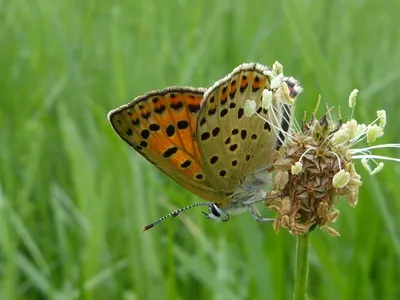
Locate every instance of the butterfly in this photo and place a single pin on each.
(202, 139)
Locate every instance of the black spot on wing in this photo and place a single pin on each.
(145, 133)
(182, 124)
(170, 130)
(186, 164)
(213, 159)
(193, 108)
(205, 136)
(170, 151)
(223, 112)
(177, 105)
(240, 113)
(199, 176)
(154, 127)
(233, 147)
(160, 110)
(146, 115)
(212, 111)
(215, 131)
(129, 131)
(243, 134)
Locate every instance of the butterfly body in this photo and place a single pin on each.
(203, 140)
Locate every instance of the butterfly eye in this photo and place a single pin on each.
(214, 210)
(216, 213)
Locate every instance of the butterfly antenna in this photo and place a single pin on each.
(175, 213)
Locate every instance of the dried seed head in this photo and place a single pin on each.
(317, 170)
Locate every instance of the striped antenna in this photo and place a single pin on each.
(175, 213)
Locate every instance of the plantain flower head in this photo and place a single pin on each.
(315, 165)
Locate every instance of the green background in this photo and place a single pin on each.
(74, 197)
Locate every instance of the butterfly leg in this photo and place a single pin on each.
(256, 215)
(256, 198)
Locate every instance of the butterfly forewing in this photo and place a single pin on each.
(161, 126)
(233, 146)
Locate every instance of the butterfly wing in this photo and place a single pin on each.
(161, 127)
(232, 145)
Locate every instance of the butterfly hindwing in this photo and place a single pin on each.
(232, 145)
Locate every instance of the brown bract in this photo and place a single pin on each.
(308, 199)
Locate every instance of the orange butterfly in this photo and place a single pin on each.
(203, 140)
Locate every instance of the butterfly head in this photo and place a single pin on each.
(216, 213)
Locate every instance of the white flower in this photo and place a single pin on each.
(250, 108)
(366, 166)
(341, 179)
(378, 168)
(276, 82)
(373, 132)
(371, 172)
(353, 98)
(361, 128)
(296, 168)
(340, 137)
(266, 99)
(351, 127)
(284, 90)
(382, 118)
(277, 68)
(282, 95)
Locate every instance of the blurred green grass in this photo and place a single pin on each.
(74, 197)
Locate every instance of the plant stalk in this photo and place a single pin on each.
(302, 262)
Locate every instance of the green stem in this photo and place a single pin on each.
(302, 259)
